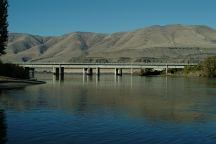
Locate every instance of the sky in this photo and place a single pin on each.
(57, 17)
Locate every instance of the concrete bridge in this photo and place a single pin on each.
(58, 69)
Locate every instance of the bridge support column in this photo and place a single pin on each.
(118, 71)
(166, 69)
(27, 69)
(87, 71)
(97, 71)
(84, 71)
(30, 71)
(56, 72)
(61, 72)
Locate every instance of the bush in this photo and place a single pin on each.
(209, 67)
(173, 70)
(14, 71)
(148, 72)
(189, 69)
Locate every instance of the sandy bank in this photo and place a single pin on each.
(10, 83)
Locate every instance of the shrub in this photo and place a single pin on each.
(209, 67)
(188, 69)
(14, 71)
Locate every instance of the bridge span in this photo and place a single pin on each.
(58, 69)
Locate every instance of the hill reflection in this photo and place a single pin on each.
(156, 98)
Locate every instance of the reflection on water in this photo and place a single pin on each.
(3, 128)
(116, 109)
(152, 98)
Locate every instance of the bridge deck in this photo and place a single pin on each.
(107, 65)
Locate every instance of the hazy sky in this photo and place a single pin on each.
(56, 17)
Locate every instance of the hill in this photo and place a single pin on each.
(155, 43)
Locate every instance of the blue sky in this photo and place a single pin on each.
(57, 17)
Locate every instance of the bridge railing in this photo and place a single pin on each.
(110, 64)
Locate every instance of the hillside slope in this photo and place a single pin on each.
(161, 43)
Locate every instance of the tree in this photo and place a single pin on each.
(209, 67)
(3, 127)
(3, 25)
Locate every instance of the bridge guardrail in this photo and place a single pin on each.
(114, 64)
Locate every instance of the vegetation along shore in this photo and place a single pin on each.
(206, 68)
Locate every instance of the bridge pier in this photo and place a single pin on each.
(61, 73)
(84, 71)
(118, 71)
(87, 71)
(55, 71)
(31, 72)
(58, 72)
(166, 69)
(97, 71)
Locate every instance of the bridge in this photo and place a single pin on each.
(58, 69)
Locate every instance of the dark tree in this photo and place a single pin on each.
(3, 127)
(3, 25)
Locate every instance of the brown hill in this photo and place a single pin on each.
(155, 43)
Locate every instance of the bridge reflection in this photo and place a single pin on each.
(149, 98)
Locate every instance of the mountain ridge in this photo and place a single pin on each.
(177, 42)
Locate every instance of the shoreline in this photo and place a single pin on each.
(11, 83)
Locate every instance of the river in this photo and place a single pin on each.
(109, 109)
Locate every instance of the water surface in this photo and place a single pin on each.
(109, 109)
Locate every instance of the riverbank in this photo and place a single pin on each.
(10, 83)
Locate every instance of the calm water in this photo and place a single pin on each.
(110, 110)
